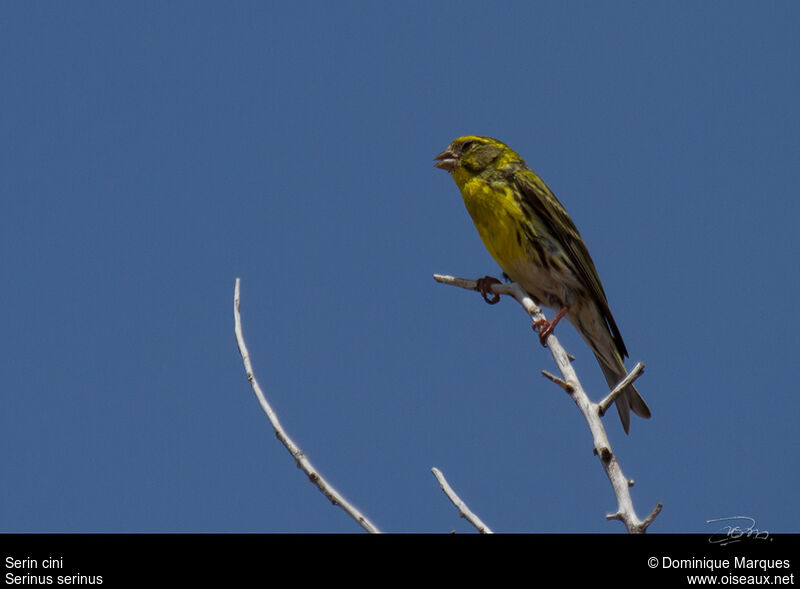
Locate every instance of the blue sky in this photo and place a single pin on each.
(154, 152)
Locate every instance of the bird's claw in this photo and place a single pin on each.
(545, 327)
(484, 286)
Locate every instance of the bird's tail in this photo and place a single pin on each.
(630, 399)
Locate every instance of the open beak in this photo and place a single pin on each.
(446, 160)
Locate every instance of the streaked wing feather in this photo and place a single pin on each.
(543, 202)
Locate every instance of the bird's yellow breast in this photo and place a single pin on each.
(498, 218)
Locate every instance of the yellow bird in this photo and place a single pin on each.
(530, 235)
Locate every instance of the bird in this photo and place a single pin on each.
(530, 235)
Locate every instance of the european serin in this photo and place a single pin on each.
(537, 245)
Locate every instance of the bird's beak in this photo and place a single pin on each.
(446, 160)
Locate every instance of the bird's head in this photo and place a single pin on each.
(471, 155)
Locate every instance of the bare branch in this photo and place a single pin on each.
(637, 371)
(649, 519)
(300, 458)
(463, 510)
(559, 381)
(590, 411)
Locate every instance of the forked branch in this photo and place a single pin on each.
(592, 412)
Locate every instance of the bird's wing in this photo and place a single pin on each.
(543, 202)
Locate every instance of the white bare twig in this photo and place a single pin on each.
(591, 411)
(300, 458)
(463, 510)
(635, 373)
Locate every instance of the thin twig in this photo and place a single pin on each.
(649, 519)
(635, 373)
(300, 458)
(602, 448)
(559, 381)
(463, 510)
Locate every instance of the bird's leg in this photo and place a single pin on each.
(484, 286)
(545, 327)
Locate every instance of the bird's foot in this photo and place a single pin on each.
(545, 327)
(484, 286)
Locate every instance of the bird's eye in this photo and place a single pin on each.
(466, 145)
